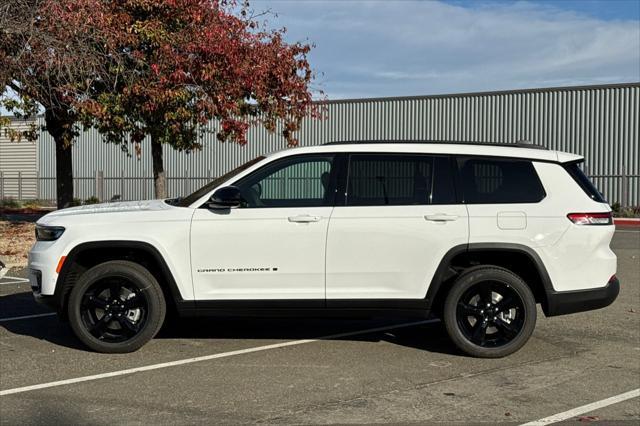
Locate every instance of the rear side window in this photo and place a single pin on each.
(581, 179)
(498, 181)
(389, 179)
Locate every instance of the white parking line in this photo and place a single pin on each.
(48, 314)
(206, 358)
(24, 280)
(16, 278)
(14, 282)
(585, 409)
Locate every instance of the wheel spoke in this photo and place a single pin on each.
(127, 325)
(506, 303)
(485, 294)
(134, 301)
(468, 310)
(114, 290)
(506, 328)
(97, 302)
(479, 332)
(98, 328)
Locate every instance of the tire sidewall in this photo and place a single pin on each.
(146, 284)
(473, 277)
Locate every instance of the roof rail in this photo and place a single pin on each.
(519, 144)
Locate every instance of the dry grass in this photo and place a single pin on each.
(16, 239)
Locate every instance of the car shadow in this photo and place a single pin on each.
(430, 337)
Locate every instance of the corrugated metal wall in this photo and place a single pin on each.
(18, 164)
(599, 122)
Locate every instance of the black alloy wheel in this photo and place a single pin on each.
(116, 307)
(113, 310)
(489, 312)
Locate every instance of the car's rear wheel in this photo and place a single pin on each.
(116, 307)
(489, 312)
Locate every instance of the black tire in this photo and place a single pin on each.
(490, 312)
(126, 325)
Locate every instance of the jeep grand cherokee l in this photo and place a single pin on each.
(476, 234)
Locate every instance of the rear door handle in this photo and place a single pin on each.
(305, 218)
(441, 217)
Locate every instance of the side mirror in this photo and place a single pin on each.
(225, 198)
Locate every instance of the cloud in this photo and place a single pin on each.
(375, 48)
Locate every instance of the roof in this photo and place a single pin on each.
(532, 152)
(522, 144)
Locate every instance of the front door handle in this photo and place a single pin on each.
(305, 218)
(441, 217)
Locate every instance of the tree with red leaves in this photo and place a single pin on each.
(186, 62)
(51, 54)
(157, 68)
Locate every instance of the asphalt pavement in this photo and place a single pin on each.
(221, 371)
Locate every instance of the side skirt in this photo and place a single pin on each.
(412, 308)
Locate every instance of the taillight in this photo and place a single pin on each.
(591, 218)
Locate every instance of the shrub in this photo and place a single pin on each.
(10, 203)
(92, 200)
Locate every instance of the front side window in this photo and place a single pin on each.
(499, 180)
(293, 182)
(389, 179)
(190, 199)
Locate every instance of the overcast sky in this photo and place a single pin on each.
(398, 48)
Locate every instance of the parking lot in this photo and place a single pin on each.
(323, 371)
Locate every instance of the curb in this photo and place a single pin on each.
(626, 221)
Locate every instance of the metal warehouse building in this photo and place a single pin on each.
(599, 122)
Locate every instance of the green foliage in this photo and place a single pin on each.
(633, 211)
(91, 200)
(22, 108)
(10, 203)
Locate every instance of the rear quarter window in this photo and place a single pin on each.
(499, 181)
(583, 181)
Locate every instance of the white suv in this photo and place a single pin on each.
(476, 234)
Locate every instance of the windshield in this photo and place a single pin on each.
(190, 199)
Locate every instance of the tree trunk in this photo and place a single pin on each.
(60, 127)
(159, 177)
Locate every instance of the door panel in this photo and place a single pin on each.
(273, 245)
(259, 253)
(389, 252)
(399, 219)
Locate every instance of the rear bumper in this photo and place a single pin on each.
(569, 302)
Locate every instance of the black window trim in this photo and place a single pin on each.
(342, 162)
(335, 165)
(342, 187)
(583, 185)
(458, 157)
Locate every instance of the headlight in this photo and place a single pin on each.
(48, 233)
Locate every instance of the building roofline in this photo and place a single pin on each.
(633, 84)
(478, 94)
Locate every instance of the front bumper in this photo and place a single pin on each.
(569, 302)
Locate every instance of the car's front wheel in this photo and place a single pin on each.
(116, 307)
(489, 312)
